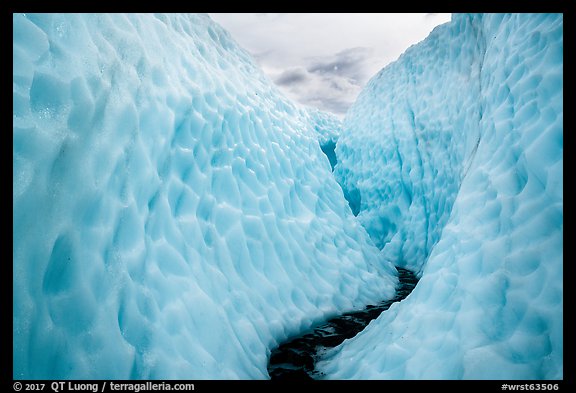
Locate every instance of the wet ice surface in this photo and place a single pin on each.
(456, 154)
(295, 359)
(176, 217)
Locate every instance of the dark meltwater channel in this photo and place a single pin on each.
(295, 359)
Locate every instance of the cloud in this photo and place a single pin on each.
(323, 84)
(292, 76)
(331, 82)
(350, 63)
(324, 60)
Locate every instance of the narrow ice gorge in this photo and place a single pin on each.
(174, 216)
(455, 153)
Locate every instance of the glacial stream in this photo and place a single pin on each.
(295, 359)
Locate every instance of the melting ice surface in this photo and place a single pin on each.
(175, 216)
(457, 152)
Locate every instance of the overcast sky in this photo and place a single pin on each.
(324, 60)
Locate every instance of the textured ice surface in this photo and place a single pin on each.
(456, 151)
(327, 127)
(174, 216)
(406, 141)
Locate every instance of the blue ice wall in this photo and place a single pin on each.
(174, 216)
(457, 152)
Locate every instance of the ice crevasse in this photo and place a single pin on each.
(174, 216)
(453, 159)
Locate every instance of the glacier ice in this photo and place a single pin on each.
(456, 154)
(174, 216)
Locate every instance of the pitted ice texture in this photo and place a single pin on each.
(174, 216)
(456, 154)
